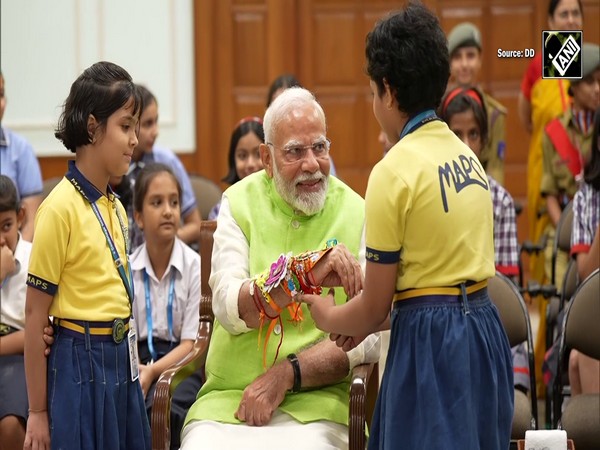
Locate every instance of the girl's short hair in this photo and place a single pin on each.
(9, 197)
(408, 49)
(100, 90)
(591, 173)
(244, 126)
(143, 180)
(461, 99)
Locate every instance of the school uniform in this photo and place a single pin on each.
(13, 391)
(586, 218)
(448, 381)
(506, 246)
(169, 307)
(92, 401)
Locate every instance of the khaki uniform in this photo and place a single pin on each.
(492, 155)
(558, 180)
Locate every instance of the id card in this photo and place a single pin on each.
(133, 352)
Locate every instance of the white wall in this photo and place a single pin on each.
(46, 44)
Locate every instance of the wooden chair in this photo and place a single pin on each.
(515, 319)
(363, 386)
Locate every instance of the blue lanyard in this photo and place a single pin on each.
(127, 281)
(113, 250)
(149, 311)
(418, 121)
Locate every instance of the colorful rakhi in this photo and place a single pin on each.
(292, 274)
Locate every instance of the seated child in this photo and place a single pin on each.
(462, 109)
(566, 145)
(14, 252)
(147, 152)
(166, 275)
(244, 157)
(584, 372)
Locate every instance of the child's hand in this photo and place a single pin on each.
(146, 378)
(37, 435)
(7, 262)
(48, 339)
(320, 307)
(346, 343)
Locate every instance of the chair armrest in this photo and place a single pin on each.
(357, 408)
(168, 382)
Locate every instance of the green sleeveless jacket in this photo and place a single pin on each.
(271, 227)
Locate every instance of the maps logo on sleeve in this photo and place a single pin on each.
(562, 54)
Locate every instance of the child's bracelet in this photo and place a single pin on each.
(36, 410)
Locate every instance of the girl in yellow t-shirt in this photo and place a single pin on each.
(448, 381)
(87, 394)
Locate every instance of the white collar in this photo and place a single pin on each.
(140, 259)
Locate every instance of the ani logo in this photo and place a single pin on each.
(562, 54)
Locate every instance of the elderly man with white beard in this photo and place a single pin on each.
(273, 379)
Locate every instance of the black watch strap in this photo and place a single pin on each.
(297, 375)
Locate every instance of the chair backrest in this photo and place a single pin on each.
(511, 308)
(564, 228)
(570, 283)
(515, 319)
(207, 229)
(582, 320)
(207, 192)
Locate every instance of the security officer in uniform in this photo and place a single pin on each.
(464, 47)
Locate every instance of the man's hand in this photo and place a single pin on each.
(339, 268)
(262, 397)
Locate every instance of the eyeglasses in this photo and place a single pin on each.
(295, 153)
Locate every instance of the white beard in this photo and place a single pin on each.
(308, 203)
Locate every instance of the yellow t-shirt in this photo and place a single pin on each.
(428, 206)
(70, 258)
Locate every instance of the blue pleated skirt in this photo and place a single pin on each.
(13, 390)
(448, 381)
(92, 402)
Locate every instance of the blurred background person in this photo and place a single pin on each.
(540, 101)
(19, 163)
(464, 46)
(147, 152)
(244, 155)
